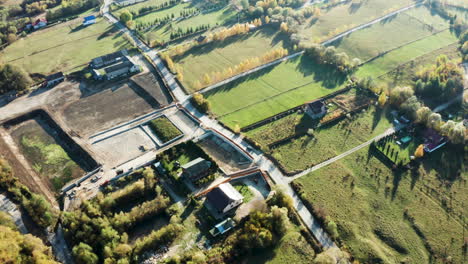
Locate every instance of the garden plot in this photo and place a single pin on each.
(393, 32)
(50, 153)
(220, 55)
(65, 47)
(346, 16)
(272, 90)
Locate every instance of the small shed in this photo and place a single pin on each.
(53, 79)
(89, 20)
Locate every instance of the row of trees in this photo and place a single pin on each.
(70, 8)
(179, 33)
(330, 56)
(98, 236)
(244, 66)
(148, 9)
(37, 207)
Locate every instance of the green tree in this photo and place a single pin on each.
(125, 16)
(84, 254)
(13, 78)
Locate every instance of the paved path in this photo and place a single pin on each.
(342, 155)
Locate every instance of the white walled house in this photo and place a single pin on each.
(224, 198)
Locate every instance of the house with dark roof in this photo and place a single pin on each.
(108, 59)
(53, 79)
(433, 140)
(224, 198)
(196, 169)
(89, 20)
(316, 109)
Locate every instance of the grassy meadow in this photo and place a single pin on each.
(392, 217)
(273, 90)
(216, 55)
(345, 16)
(391, 33)
(407, 53)
(327, 141)
(65, 47)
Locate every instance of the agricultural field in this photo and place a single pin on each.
(387, 35)
(346, 16)
(273, 90)
(55, 48)
(386, 216)
(308, 149)
(391, 60)
(45, 154)
(215, 56)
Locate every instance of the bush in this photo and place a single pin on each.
(201, 103)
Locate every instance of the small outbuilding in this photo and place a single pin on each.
(39, 23)
(196, 169)
(108, 59)
(224, 198)
(222, 227)
(89, 20)
(53, 79)
(433, 140)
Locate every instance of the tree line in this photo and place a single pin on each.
(70, 8)
(98, 235)
(330, 56)
(34, 204)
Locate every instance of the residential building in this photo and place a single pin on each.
(53, 79)
(108, 59)
(316, 109)
(433, 140)
(224, 198)
(196, 169)
(89, 20)
(39, 23)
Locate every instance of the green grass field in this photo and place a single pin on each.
(401, 153)
(326, 142)
(393, 59)
(391, 33)
(292, 248)
(405, 73)
(244, 190)
(273, 90)
(369, 201)
(217, 56)
(343, 17)
(65, 47)
(164, 129)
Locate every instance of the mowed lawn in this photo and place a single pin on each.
(392, 217)
(326, 142)
(273, 90)
(216, 56)
(65, 47)
(391, 60)
(346, 16)
(391, 33)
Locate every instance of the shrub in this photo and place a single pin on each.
(201, 103)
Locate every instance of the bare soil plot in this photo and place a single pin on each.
(153, 86)
(227, 157)
(116, 104)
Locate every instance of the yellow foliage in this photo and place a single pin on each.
(419, 152)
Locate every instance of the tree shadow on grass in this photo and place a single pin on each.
(327, 75)
(397, 177)
(354, 7)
